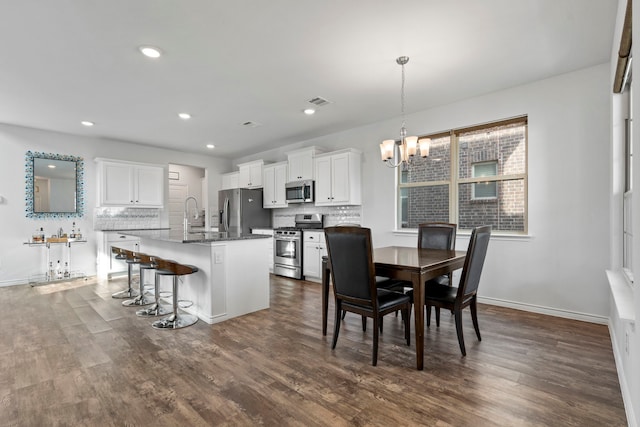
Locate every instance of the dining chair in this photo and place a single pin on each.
(465, 295)
(431, 235)
(350, 252)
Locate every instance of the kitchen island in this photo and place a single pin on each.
(233, 276)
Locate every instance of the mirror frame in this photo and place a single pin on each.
(29, 186)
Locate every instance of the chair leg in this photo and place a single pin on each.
(438, 317)
(336, 326)
(376, 319)
(406, 314)
(364, 323)
(474, 317)
(459, 331)
(344, 313)
(428, 315)
(381, 323)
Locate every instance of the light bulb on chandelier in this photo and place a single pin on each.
(407, 146)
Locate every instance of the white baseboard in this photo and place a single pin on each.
(13, 282)
(624, 386)
(545, 310)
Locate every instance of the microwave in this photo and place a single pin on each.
(300, 191)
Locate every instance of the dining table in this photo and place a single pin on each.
(411, 264)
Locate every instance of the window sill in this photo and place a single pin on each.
(466, 234)
(622, 293)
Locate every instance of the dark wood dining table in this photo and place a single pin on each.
(403, 263)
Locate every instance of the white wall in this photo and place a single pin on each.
(17, 261)
(560, 268)
(624, 332)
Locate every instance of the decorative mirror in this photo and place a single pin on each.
(54, 186)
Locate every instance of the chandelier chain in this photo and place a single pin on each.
(402, 98)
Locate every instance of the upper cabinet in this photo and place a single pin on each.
(131, 184)
(250, 174)
(274, 179)
(338, 178)
(230, 180)
(301, 163)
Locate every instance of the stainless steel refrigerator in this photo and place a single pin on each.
(241, 209)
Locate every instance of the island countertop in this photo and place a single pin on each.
(178, 236)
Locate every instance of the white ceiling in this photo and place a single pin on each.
(229, 62)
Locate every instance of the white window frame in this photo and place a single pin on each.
(494, 184)
(627, 198)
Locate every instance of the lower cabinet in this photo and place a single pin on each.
(107, 264)
(313, 249)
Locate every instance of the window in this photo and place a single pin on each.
(472, 176)
(488, 189)
(627, 199)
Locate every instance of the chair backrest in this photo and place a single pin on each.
(352, 269)
(476, 253)
(437, 235)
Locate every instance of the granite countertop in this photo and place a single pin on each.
(130, 229)
(178, 236)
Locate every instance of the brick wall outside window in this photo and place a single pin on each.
(424, 202)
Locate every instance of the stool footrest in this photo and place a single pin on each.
(155, 310)
(184, 303)
(127, 293)
(138, 301)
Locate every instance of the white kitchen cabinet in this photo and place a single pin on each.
(266, 232)
(274, 178)
(230, 180)
(250, 174)
(338, 178)
(301, 163)
(131, 184)
(107, 263)
(313, 249)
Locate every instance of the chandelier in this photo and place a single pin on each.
(395, 153)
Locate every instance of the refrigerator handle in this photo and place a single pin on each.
(226, 214)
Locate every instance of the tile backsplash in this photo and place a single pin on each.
(333, 215)
(125, 218)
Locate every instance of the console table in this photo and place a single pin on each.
(47, 277)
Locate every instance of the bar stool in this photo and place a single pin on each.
(157, 309)
(123, 254)
(145, 264)
(179, 318)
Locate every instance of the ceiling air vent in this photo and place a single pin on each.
(251, 124)
(318, 101)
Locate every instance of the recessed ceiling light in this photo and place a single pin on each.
(150, 51)
(184, 116)
(87, 123)
(211, 146)
(309, 111)
(51, 166)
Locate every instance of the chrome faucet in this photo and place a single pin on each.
(186, 219)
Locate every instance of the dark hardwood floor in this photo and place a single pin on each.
(71, 355)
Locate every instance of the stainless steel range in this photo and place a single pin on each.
(287, 245)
